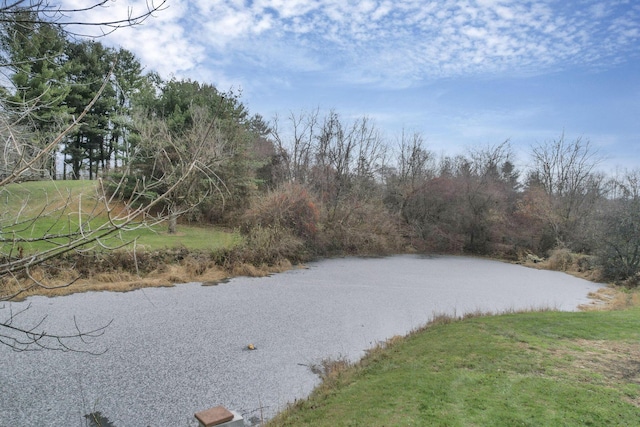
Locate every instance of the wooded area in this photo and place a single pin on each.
(311, 183)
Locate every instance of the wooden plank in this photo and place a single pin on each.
(214, 416)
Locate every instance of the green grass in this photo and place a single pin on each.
(188, 236)
(39, 192)
(46, 201)
(528, 369)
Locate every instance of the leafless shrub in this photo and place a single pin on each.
(632, 281)
(560, 259)
(362, 228)
(290, 207)
(271, 245)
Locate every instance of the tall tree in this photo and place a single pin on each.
(35, 99)
(296, 151)
(566, 171)
(347, 158)
(128, 82)
(183, 106)
(89, 64)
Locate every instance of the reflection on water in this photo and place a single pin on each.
(95, 419)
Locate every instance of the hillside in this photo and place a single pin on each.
(544, 368)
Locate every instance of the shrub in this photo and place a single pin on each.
(363, 228)
(632, 281)
(290, 208)
(270, 246)
(560, 259)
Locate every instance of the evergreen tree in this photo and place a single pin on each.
(128, 82)
(89, 64)
(242, 135)
(35, 52)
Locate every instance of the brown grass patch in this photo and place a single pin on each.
(116, 272)
(174, 273)
(250, 270)
(114, 277)
(281, 266)
(611, 298)
(113, 281)
(617, 362)
(577, 265)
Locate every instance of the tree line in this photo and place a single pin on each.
(53, 77)
(306, 185)
(478, 202)
(310, 183)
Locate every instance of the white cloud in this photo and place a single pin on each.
(161, 41)
(382, 10)
(404, 41)
(166, 48)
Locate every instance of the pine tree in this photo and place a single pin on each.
(35, 52)
(89, 64)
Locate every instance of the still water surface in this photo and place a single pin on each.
(172, 352)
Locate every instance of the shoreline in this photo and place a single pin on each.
(189, 266)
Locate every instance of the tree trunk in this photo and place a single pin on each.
(172, 220)
(90, 164)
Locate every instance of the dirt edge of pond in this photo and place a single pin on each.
(118, 272)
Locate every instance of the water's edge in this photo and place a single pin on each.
(172, 352)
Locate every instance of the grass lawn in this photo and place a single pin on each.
(60, 206)
(188, 236)
(527, 369)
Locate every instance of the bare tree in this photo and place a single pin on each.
(348, 156)
(74, 19)
(414, 165)
(415, 162)
(490, 194)
(618, 237)
(335, 156)
(342, 162)
(566, 170)
(296, 148)
(95, 218)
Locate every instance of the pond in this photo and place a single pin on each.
(171, 352)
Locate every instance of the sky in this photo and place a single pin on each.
(464, 74)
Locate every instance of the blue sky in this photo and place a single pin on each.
(462, 73)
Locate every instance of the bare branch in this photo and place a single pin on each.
(49, 147)
(36, 338)
(50, 12)
(32, 234)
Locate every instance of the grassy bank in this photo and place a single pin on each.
(55, 208)
(530, 369)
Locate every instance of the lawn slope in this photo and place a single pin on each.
(38, 208)
(527, 369)
(135, 257)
